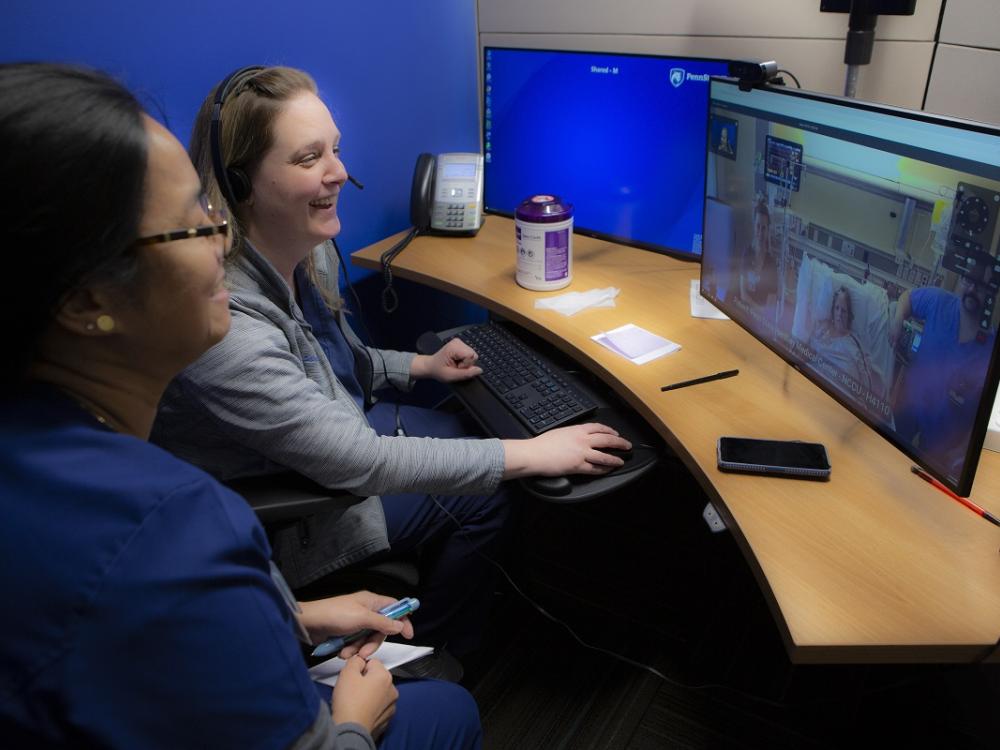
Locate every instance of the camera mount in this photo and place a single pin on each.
(861, 30)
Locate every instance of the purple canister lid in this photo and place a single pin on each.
(544, 209)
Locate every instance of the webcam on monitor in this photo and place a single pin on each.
(752, 73)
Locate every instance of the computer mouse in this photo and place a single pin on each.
(623, 454)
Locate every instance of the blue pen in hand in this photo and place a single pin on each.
(396, 610)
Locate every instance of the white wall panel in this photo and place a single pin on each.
(975, 23)
(762, 18)
(963, 83)
(896, 76)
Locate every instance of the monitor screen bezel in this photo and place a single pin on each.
(963, 485)
(685, 255)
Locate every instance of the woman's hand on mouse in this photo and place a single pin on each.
(566, 450)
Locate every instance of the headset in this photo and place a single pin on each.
(233, 181)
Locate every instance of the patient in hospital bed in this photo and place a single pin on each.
(833, 341)
(844, 324)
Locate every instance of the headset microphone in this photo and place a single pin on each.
(358, 185)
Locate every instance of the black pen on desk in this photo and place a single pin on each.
(696, 381)
(979, 511)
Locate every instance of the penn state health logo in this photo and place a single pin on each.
(676, 76)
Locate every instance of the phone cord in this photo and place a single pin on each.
(390, 300)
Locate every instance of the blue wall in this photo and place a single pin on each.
(399, 76)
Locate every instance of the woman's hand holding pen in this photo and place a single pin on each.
(343, 615)
(364, 693)
(454, 361)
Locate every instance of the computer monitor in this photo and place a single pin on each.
(859, 242)
(619, 136)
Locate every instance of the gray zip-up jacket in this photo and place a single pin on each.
(265, 399)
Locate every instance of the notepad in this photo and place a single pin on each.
(392, 655)
(636, 344)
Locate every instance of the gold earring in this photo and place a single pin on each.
(106, 323)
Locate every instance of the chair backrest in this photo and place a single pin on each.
(285, 498)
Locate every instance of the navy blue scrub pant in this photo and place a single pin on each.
(434, 715)
(456, 582)
(430, 715)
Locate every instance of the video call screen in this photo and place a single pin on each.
(621, 137)
(860, 244)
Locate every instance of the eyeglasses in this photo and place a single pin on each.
(220, 225)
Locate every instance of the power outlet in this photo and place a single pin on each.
(713, 519)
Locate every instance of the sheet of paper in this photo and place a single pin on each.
(701, 307)
(391, 654)
(636, 344)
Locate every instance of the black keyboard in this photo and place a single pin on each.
(533, 390)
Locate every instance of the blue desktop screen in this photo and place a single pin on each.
(620, 137)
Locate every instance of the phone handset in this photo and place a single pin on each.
(422, 192)
(446, 198)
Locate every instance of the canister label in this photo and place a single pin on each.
(544, 254)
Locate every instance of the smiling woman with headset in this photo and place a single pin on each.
(293, 387)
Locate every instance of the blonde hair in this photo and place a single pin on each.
(246, 135)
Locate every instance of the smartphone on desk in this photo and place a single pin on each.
(786, 458)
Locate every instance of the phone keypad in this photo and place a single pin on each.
(454, 216)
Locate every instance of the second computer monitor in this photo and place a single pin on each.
(621, 137)
(860, 242)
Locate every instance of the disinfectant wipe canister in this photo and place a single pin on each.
(544, 226)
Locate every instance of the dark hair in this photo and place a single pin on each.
(850, 304)
(73, 162)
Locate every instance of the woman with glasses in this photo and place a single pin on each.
(293, 387)
(141, 607)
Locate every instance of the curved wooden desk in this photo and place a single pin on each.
(873, 566)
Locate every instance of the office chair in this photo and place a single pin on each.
(286, 498)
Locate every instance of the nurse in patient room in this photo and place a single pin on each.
(758, 269)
